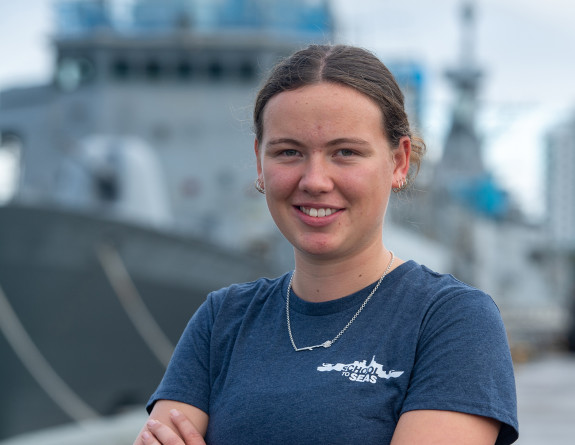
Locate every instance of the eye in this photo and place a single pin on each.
(289, 153)
(345, 152)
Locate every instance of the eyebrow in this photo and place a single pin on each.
(355, 141)
(280, 141)
(335, 142)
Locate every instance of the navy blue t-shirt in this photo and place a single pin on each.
(424, 341)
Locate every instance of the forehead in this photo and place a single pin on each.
(323, 104)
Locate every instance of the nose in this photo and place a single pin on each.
(316, 177)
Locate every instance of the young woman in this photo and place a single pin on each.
(355, 345)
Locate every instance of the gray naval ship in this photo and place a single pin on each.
(132, 195)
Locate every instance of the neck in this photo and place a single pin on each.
(325, 280)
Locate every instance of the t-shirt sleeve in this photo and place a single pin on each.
(463, 362)
(187, 378)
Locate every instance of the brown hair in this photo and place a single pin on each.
(350, 66)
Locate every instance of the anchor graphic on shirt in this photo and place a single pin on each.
(361, 371)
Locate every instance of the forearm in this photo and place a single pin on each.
(161, 412)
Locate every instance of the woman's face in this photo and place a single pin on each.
(328, 169)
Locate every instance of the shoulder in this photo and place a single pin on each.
(430, 280)
(453, 316)
(435, 302)
(435, 291)
(237, 297)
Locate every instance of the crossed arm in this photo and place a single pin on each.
(175, 423)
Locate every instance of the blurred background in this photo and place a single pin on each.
(126, 185)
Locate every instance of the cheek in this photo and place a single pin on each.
(372, 181)
(372, 191)
(279, 181)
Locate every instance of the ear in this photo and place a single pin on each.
(258, 157)
(401, 156)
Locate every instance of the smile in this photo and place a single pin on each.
(317, 213)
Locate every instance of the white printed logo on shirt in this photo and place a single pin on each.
(360, 371)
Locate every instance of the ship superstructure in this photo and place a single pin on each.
(180, 76)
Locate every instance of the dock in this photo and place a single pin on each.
(120, 429)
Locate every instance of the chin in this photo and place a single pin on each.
(319, 251)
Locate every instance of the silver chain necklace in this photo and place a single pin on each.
(328, 343)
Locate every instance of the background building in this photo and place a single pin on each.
(560, 222)
(560, 183)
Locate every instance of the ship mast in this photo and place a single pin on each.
(462, 152)
(459, 173)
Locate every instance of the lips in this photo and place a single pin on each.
(318, 212)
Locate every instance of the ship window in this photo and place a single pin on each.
(247, 70)
(153, 70)
(121, 69)
(184, 70)
(107, 187)
(215, 70)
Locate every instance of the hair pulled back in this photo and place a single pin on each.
(350, 66)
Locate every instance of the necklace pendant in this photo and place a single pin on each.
(325, 344)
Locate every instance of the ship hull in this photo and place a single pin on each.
(100, 305)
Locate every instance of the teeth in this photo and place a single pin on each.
(317, 213)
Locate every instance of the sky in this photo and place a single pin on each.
(524, 47)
